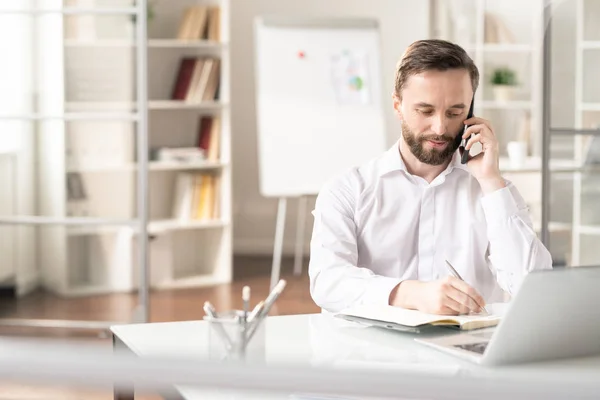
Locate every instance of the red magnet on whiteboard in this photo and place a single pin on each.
(301, 54)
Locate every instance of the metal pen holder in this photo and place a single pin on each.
(230, 339)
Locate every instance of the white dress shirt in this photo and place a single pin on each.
(377, 225)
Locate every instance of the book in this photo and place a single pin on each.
(209, 136)
(196, 196)
(214, 24)
(193, 23)
(200, 23)
(187, 66)
(197, 79)
(418, 319)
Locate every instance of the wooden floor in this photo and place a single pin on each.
(174, 305)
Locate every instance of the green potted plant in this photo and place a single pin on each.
(504, 82)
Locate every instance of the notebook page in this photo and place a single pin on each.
(397, 315)
(475, 317)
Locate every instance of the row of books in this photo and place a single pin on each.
(198, 79)
(200, 22)
(196, 196)
(206, 146)
(209, 136)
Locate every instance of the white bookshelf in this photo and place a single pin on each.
(574, 224)
(93, 259)
(586, 212)
(515, 42)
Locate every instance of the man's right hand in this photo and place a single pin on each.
(448, 296)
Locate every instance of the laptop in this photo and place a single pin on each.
(555, 314)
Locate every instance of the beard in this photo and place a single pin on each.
(429, 156)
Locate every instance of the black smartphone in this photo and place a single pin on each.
(459, 140)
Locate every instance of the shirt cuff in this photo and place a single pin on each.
(499, 205)
(380, 289)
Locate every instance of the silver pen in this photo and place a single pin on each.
(246, 302)
(211, 312)
(268, 303)
(457, 275)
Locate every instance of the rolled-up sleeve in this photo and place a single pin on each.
(514, 248)
(336, 282)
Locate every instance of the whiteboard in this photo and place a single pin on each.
(318, 101)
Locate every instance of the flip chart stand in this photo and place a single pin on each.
(279, 233)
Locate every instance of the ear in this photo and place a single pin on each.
(397, 103)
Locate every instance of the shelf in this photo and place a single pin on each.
(169, 225)
(171, 166)
(507, 47)
(500, 47)
(152, 43)
(559, 226)
(74, 43)
(73, 116)
(506, 105)
(534, 164)
(186, 44)
(73, 11)
(183, 105)
(152, 166)
(154, 227)
(589, 229)
(590, 45)
(567, 227)
(152, 105)
(590, 106)
(191, 282)
(554, 226)
(66, 221)
(89, 106)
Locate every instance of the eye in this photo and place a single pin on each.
(454, 113)
(425, 112)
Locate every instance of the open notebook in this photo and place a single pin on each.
(416, 319)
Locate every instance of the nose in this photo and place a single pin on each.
(439, 125)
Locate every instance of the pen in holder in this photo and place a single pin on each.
(232, 339)
(239, 335)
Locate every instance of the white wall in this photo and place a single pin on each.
(401, 21)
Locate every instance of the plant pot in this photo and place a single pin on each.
(504, 92)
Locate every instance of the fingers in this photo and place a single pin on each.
(466, 295)
(461, 302)
(449, 310)
(451, 306)
(472, 140)
(481, 134)
(479, 121)
(473, 130)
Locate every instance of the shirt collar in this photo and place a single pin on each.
(392, 161)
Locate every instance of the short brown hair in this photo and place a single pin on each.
(433, 54)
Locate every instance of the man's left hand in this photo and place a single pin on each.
(484, 166)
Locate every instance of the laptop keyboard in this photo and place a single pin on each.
(474, 347)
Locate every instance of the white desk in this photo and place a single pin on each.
(322, 340)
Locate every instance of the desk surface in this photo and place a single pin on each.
(322, 340)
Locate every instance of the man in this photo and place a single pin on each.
(383, 232)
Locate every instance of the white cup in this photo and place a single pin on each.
(517, 153)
